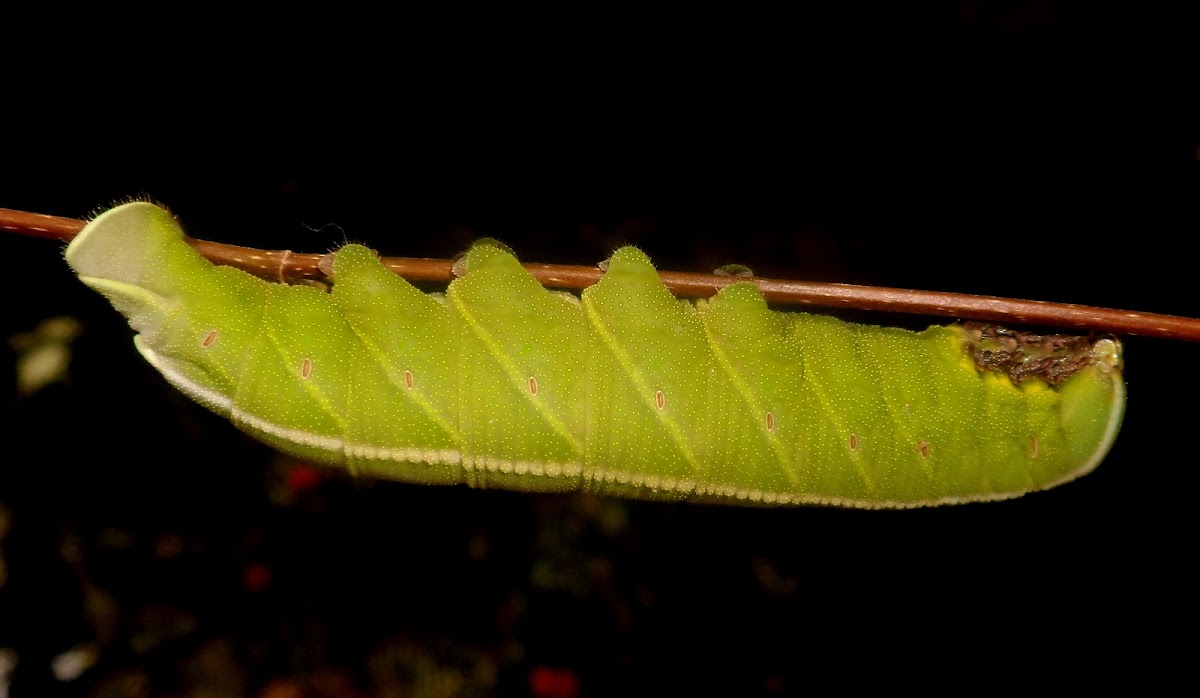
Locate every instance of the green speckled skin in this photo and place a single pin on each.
(626, 390)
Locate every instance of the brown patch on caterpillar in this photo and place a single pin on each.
(533, 385)
(1052, 358)
(660, 400)
(854, 442)
(923, 449)
(409, 380)
(306, 367)
(209, 339)
(770, 421)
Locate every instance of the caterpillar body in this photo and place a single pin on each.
(624, 390)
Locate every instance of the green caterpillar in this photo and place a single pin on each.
(625, 390)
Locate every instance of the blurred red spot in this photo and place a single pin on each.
(257, 577)
(545, 682)
(303, 478)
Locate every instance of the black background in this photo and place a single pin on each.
(1029, 149)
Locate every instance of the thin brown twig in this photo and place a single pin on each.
(282, 265)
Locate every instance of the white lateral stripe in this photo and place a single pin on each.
(332, 444)
(221, 404)
(600, 479)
